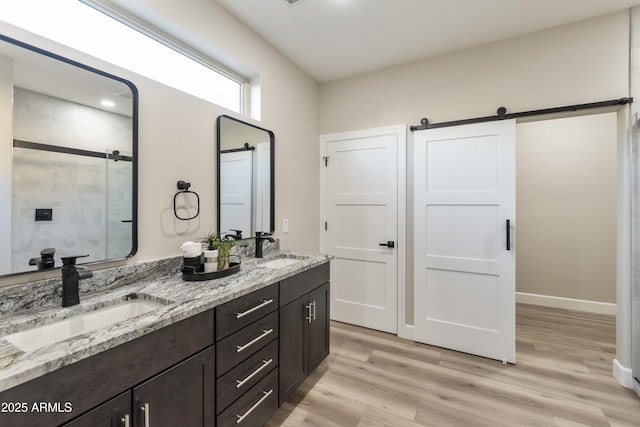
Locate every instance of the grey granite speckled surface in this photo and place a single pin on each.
(160, 281)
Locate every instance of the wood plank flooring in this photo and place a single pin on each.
(562, 377)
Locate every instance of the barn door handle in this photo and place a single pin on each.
(508, 234)
(389, 244)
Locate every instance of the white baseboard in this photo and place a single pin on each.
(623, 375)
(567, 303)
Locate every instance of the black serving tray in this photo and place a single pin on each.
(190, 275)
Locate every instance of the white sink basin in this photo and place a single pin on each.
(40, 336)
(280, 262)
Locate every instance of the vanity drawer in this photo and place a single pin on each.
(301, 284)
(239, 346)
(235, 315)
(244, 376)
(255, 407)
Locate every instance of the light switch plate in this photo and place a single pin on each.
(285, 225)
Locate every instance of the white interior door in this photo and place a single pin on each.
(236, 193)
(464, 266)
(262, 184)
(361, 201)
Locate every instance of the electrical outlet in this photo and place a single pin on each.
(285, 225)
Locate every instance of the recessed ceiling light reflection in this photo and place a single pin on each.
(107, 103)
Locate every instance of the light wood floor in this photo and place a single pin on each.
(563, 377)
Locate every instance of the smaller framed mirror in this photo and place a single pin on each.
(245, 178)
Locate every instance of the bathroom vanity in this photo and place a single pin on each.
(221, 352)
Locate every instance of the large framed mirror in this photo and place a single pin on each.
(245, 178)
(68, 161)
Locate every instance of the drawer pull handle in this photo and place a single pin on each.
(246, 414)
(309, 317)
(265, 332)
(145, 411)
(314, 310)
(125, 421)
(265, 363)
(257, 307)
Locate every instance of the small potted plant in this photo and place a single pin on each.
(210, 253)
(222, 248)
(209, 240)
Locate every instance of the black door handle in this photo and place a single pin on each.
(508, 234)
(389, 244)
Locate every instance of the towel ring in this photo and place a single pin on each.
(184, 187)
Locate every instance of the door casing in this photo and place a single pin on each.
(404, 330)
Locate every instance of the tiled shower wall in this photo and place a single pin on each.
(73, 186)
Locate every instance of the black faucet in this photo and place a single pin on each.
(237, 234)
(261, 237)
(71, 275)
(45, 261)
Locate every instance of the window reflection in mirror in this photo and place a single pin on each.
(68, 174)
(245, 178)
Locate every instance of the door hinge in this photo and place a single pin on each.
(326, 160)
(326, 226)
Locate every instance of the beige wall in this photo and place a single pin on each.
(581, 62)
(177, 134)
(566, 185)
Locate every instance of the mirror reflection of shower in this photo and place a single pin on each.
(119, 221)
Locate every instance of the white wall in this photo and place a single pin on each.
(177, 134)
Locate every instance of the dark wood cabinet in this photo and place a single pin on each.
(293, 351)
(237, 381)
(89, 383)
(113, 413)
(183, 395)
(255, 407)
(232, 365)
(247, 358)
(304, 327)
(243, 311)
(319, 327)
(235, 348)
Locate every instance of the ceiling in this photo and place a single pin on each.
(333, 39)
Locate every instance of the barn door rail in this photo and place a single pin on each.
(501, 114)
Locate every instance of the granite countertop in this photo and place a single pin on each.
(159, 281)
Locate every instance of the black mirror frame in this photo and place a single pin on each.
(272, 138)
(134, 142)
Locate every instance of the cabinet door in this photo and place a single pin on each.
(293, 347)
(319, 326)
(113, 413)
(181, 396)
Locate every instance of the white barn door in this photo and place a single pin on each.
(464, 253)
